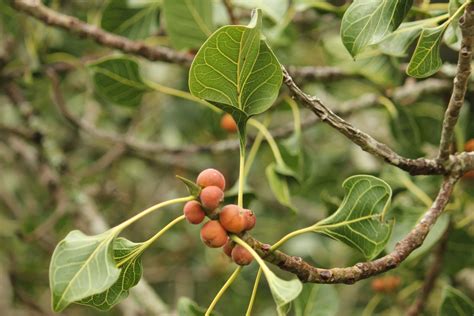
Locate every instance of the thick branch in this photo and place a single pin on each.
(461, 79)
(431, 276)
(308, 273)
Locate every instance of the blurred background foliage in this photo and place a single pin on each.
(60, 178)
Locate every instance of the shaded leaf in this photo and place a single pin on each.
(426, 59)
(460, 247)
(359, 221)
(187, 307)
(118, 80)
(279, 186)
(317, 300)
(188, 22)
(231, 195)
(455, 303)
(283, 291)
(453, 35)
(130, 275)
(81, 266)
(367, 22)
(135, 23)
(237, 72)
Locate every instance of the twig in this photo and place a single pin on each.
(348, 275)
(466, 23)
(419, 305)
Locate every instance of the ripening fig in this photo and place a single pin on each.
(228, 123)
(250, 219)
(469, 145)
(211, 197)
(241, 256)
(385, 284)
(232, 218)
(211, 177)
(228, 247)
(193, 212)
(213, 234)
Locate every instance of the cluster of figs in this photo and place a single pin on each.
(225, 220)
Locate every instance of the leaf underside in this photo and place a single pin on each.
(426, 59)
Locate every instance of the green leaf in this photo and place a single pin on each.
(359, 221)
(237, 72)
(283, 291)
(231, 195)
(192, 187)
(274, 9)
(188, 22)
(453, 35)
(398, 43)
(135, 23)
(82, 266)
(460, 247)
(279, 186)
(426, 60)
(317, 300)
(367, 22)
(130, 275)
(118, 80)
(187, 307)
(455, 303)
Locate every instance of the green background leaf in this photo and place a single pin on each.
(455, 303)
(188, 22)
(118, 80)
(81, 266)
(130, 275)
(317, 300)
(359, 221)
(279, 186)
(135, 23)
(367, 22)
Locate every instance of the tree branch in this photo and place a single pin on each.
(308, 273)
(466, 23)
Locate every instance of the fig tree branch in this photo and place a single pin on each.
(348, 275)
(463, 73)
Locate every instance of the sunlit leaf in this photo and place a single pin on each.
(130, 275)
(81, 266)
(426, 59)
(359, 221)
(397, 43)
(118, 80)
(188, 22)
(455, 303)
(367, 22)
(135, 23)
(237, 71)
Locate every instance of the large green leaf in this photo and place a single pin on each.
(367, 22)
(118, 80)
(188, 22)
(135, 23)
(426, 59)
(359, 221)
(130, 275)
(82, 266)
(455, 303)
(237, 71)
(397, 43)
(317, 300)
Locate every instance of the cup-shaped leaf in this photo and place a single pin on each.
(118, 80)
(188, 22)
(359, 221)
(236, 71)
(82, 266)
(130, 275)
(367, 22)
(426, 59)
(283, 291)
